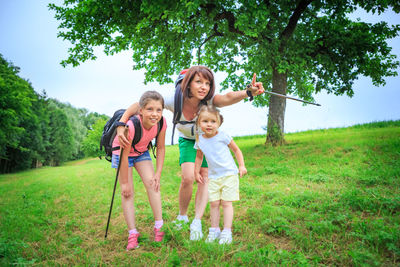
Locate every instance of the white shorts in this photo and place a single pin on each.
(224, 188)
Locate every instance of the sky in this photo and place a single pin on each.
(28, 38)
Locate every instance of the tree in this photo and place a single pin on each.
(296, 47)
(76, 119)
(91, 143)
(35, 130)
(40, 141)
(16, 100)
(34, 143)
(92, 118)
(61, 137)
(81, 121)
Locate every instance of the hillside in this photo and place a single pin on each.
(327, 197)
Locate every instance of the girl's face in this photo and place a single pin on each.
(208, 123)
(151, 113)
(199, 87)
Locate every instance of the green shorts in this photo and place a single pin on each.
(187, 153)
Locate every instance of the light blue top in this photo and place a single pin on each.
(218, 155)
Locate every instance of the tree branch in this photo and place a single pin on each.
(214, 34)
(288, 31)
(320, 49)
(269, 24)
(230, 17)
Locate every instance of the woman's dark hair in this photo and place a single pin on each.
(202, 71)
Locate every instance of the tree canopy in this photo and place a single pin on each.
(296, 47)
(36, 130)
(90, 144)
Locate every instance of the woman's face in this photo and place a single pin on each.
(199, 87)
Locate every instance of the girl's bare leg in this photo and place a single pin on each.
(214, 213)
(228, 213)
(146, 173)
(128, 205)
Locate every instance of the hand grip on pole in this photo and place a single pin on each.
(252, 87)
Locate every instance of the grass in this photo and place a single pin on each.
(327, 197)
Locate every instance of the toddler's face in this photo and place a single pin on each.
(208, 123)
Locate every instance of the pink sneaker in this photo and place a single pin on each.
(132, 241)
(158, 235)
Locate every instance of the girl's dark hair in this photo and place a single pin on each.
(202, 71)
(150, 95)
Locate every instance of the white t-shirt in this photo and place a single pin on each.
(185, 130)
(218, 155)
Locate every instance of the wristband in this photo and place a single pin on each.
(249, 93)
(120, 123)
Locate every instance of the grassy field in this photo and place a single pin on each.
(327, 197)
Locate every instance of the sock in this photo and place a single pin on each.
(227, 230)
(182, 218)
(158, 224)
(195, 220)
(133, 231)
(215, 229)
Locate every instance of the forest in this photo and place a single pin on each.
(36, 130)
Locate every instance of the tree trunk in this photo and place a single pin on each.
(277, 107)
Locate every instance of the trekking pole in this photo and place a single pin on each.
(116, 180)
(289, 97)
(253, 82)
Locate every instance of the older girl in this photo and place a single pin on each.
(151, 107)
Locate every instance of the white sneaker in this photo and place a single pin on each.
(225, 237)
(195, 230)
(180, 221)
(213, 235)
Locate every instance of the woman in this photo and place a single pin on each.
(198, 88)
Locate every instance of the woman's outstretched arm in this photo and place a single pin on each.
(231, 98)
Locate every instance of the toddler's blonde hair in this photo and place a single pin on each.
(210, 109)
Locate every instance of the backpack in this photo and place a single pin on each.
(178, 100)
(110, 131)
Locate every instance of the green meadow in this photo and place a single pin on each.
(326, 198)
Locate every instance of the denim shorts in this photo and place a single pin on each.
(131, 160)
